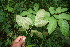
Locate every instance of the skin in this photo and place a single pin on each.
(19, 42)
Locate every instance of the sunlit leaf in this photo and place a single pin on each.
(40, 23)
(39, 18)
(23, 21)
(41, 13)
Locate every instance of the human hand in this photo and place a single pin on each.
(19, 42)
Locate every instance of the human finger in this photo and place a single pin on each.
(18, 38)
(22, 41)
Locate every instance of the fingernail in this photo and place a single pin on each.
(24, 39)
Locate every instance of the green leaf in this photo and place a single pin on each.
(64, 9)
(42, 13)
(52, 25)
(16, 26)
(64, 27)
(10, 9)
(47, 16)
(56, 16)
(51, 9)
(62, 16)
(30, 10)
(21, 29)
(39, 18)
(24, 13)
(23, 21)
(32, 17)
(30, 45)
(36, 7)
(37, 33)
(58, 10)
(40, 23)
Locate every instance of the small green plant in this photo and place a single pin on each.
(36, 28)
(40, 18)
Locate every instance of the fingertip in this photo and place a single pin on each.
(24, 37)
